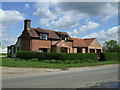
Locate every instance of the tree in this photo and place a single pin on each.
(111, 46)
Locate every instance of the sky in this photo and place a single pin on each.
(79, 19)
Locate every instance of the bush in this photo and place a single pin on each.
(63, 57)
(27, 55)
(102, 57)
(46, 61)
(80, 56)
(53, 61)
(111, 56)
(34, 59)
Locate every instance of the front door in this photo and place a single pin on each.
(63, 50)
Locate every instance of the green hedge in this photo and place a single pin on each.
(111, 56)
(83, 57)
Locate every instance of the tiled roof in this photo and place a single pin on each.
(88, 41)
(78, 42)
(82, 42)
(34, 32)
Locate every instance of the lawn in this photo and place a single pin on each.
(12, 62)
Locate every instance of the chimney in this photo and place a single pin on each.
(27, 24)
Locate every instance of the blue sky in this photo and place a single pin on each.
(79, 19)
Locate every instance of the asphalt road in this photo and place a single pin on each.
(73, 78)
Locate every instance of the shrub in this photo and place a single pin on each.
(102, 57)
(46, 61)
(53, 61)
(67, 62)
(59, 61)
(111, 56)
(27, 55)
(34, 59)
(89, 60)
(64, 57)
(77, 61)
(79, 56)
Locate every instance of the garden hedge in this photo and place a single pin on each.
(57, 56)
(111, 56)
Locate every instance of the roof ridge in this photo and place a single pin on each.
(77, 38)
(89, 38)
(48, 29)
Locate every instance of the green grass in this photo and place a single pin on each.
(11, 62)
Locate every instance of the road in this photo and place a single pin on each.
(72, 78)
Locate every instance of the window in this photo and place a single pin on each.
(63, 50)
(44, 36)
(14, 49)
(64, 38)
(17, 48)
(43, 50)
(79, 50)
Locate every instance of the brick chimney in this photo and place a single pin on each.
(27, 24)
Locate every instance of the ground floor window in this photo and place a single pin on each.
(79, 50)
(63, 50)
(14, 49)
(43, 50)
(92, 50)
(98, 50)
(17, 48)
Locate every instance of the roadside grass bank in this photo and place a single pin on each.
(12, 62)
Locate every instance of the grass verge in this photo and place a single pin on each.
(11, 62)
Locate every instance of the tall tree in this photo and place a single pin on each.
(111, 46)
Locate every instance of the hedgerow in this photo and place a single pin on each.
(67, 57)
(111, 56)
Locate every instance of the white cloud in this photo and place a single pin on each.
(43, 9)
(90, 8)
(89, 25)
(62, 15)
(27, 5)
(105, 35)
(8, 19)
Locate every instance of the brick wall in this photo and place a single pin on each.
(25, 42)
(36, 44)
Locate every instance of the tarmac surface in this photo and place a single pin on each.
(57, 78)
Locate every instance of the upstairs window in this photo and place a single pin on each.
(64, 38)
(43, 36)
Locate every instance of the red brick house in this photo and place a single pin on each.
(43, 40)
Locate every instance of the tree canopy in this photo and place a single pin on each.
(111, 46)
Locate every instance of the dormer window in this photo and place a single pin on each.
(44, 36)
(64, 38)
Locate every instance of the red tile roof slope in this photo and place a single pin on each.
(88, 41)
(77, 42)
(34, 32)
